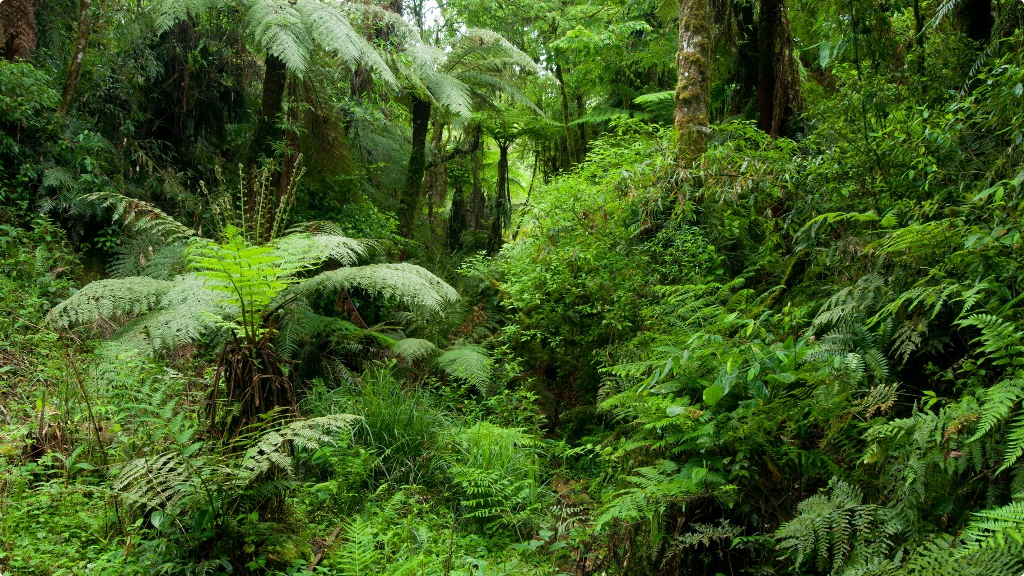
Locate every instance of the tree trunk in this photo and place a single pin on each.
(581, 148)
(18, 29)
(362, 78)
(75, 68)
(778, 82)
(502, 213)
(457, 216)
(565, 115)
(412, 193)
(975, 19)
(919, 37)
(477, 200)
(694, 77)
(267, 123)
(746, 70)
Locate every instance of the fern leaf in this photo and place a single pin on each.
(406, 283)
(470, 363)
(106, 298)
(997, 402)
(413, 349)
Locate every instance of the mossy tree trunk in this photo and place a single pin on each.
(694, 77)
(411, 198)
(477, 207)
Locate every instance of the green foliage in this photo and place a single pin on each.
(470, 363)
(497, 472)
(288, 30)
(831, 527)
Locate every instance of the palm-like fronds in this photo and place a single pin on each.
(289, 30)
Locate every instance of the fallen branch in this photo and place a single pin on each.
(320, 555)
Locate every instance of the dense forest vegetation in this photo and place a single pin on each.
(485, 287)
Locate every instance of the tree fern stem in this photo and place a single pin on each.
(412, 193)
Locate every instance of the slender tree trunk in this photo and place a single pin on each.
(580, 112)
(694, 77)
(573, 159)
(18, 29)
(919, 37)
(502, 200)
(75, 68)
(411, 199)
(457, 216)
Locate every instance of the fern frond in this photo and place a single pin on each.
(413, 349)
(1014, 442)
(1000, 340)
(470, 363)
(405, 283)
(991, 529)
(107, 298)
(277, 27)
(300, 251)
(167, 13)
(142, 217)
(996, 403)
(331, 28)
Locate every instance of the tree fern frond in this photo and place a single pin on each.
(406, 283)
(277, 28)
(413, 349)
(299, 251)
(470, 363)
(330, 27)
(142, 217)
(167, 13)
(106, 298)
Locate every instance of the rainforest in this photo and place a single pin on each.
(512, 287)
